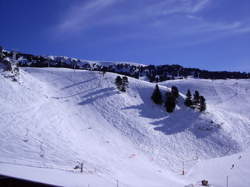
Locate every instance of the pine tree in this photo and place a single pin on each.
(1, 53)
(175, 91)
(196, 98)
(188, 100)
(124, 84)
(202, 104)
(156, 96)
(118, 82)
(121, 83)
(170, 102)
(103, 70)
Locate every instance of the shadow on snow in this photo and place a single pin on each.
(97, 94)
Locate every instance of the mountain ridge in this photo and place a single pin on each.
(153, 73)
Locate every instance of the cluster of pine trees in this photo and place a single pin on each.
(121, 83)
(196, 101)
(170, 98)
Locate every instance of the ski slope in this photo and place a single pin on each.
(228, 104)
(54, 118)
(232, 170)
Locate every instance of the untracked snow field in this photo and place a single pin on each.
(52, 119)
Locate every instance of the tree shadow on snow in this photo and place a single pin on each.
(101, 93)
(78, 83)
(185, 120)
(154, 112)
(181, 120)
(147, 109)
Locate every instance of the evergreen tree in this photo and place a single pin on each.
(103, 70)
(124, 84)
(188, 100)
(170, 102)
(121, 83)
(156, 96)
(1, 53)
(118, 82)
(175, 91)
(196, 98)
(202, 104)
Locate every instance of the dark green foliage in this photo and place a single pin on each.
(170, 102)
(175, 92)
(196, 98)
(188, 101)
(1, 53)
(103, 70)
(198, 102)
(202, 104)
(156, 96)
(125, 80)
(121, 83)
(118, 82)
(124, 84)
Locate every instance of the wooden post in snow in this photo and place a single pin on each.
(183, 172)
(227, 181)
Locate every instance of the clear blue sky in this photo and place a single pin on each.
(208, 34)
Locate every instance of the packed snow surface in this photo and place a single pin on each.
(52, 119)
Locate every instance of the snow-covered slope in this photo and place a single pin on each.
(232, 170)
(228, 104)
(53, 118)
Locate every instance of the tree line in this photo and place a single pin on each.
(154, 73)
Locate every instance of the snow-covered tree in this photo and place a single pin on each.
(156, 96)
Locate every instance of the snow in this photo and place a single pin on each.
(228, 104)
(54, 118)
(53, 177)
(235, 167)
(91, 62)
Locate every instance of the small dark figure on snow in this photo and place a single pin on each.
(204, 183)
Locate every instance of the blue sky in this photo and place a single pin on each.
(208, 34)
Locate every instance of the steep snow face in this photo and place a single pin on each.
(55, 117)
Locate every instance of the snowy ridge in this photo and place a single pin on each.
(80, 62)
(152, 73)
(54, 118)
